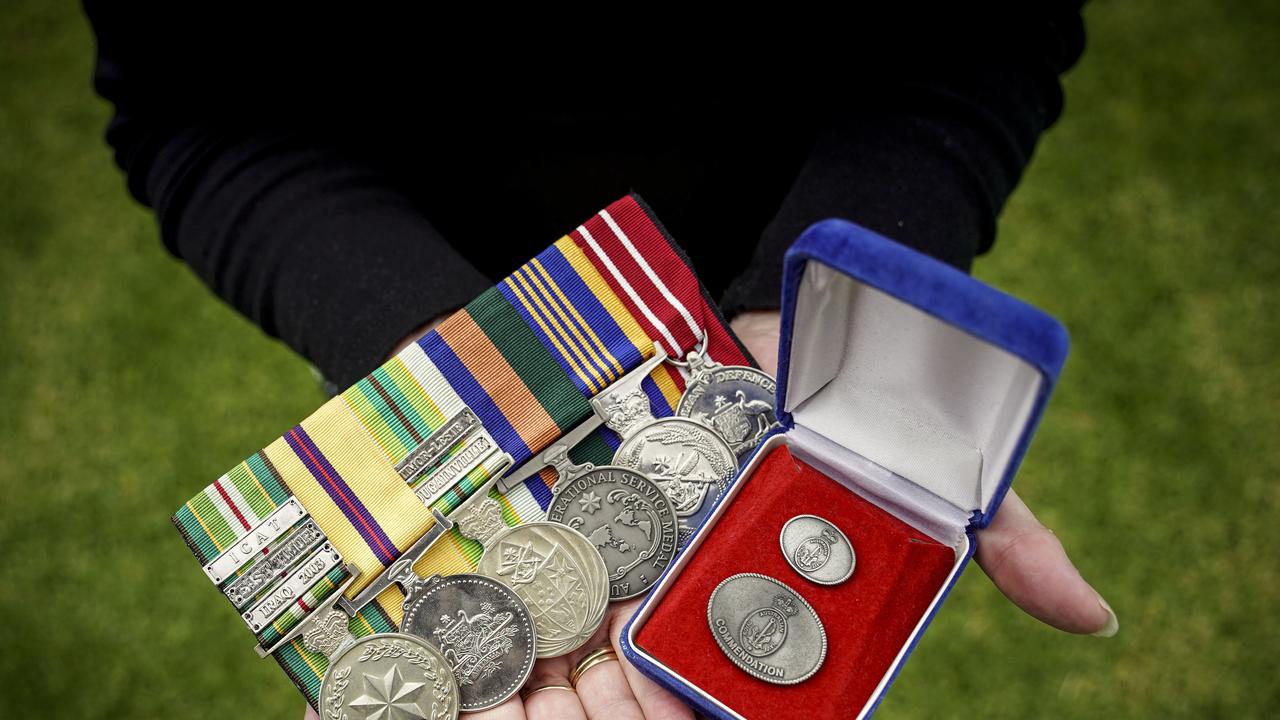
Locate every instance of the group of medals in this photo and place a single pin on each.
(468, 641)
(767, 628)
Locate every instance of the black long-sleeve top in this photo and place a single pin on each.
(340, 178)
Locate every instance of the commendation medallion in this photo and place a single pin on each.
(766, 628)
(734, 400)
(554, 569)
(817, 549)
(384, 675)
(483, 629)
(627, 518)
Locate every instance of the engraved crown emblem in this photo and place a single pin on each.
(481, 521)
(785, 605)
(626, 408)
(328, 633)
(827, 535)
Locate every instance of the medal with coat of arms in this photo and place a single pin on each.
(482, 628)
(558, 573)
(734, 400)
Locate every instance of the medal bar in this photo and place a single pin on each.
(551, 455)
(275, 565)
(401, 571)
(255, 541)
(431, 450)
(278, 600)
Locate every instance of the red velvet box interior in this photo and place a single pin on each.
(868, 618)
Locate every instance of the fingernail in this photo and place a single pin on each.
(1113, 623)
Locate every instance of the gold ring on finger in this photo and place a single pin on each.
(547, 687)
(590, 660)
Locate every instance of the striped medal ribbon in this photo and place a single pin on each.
(524, 357)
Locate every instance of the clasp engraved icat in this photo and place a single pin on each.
(275, 565)
(255, 541)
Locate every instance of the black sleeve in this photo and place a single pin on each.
(308, 241)
(928, 154)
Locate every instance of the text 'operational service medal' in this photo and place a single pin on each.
(629, 520)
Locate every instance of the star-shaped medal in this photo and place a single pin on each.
(390, 698)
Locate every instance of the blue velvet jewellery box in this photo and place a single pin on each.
(908, 394)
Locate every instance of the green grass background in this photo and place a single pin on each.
(1147, 223)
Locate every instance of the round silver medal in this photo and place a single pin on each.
(817, 549)
(559, 575)
(627, 517)
(734, 400)
(766, 628)
(389, 675)
(483, 629)
(688, 460)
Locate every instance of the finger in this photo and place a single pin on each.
(605, 694)
(310, 714)
(655, 702)
(1027, 562)
(510, 709)
(552, 704)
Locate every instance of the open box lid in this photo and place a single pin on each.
(912, 364)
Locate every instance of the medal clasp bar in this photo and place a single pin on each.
(353, 573)
(477, 447)
(254, 542)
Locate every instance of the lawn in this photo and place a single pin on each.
(1146, 222)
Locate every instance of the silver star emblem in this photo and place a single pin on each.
(590, 502)
(390, 698)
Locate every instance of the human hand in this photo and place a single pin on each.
(1022, 557)
(610, 689)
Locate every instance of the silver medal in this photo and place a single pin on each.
(483, 629)
(766, 628)
(627, 517)
(688, 460)
(555, 570)
(385, 675)
(817, 549)
(735, 400)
